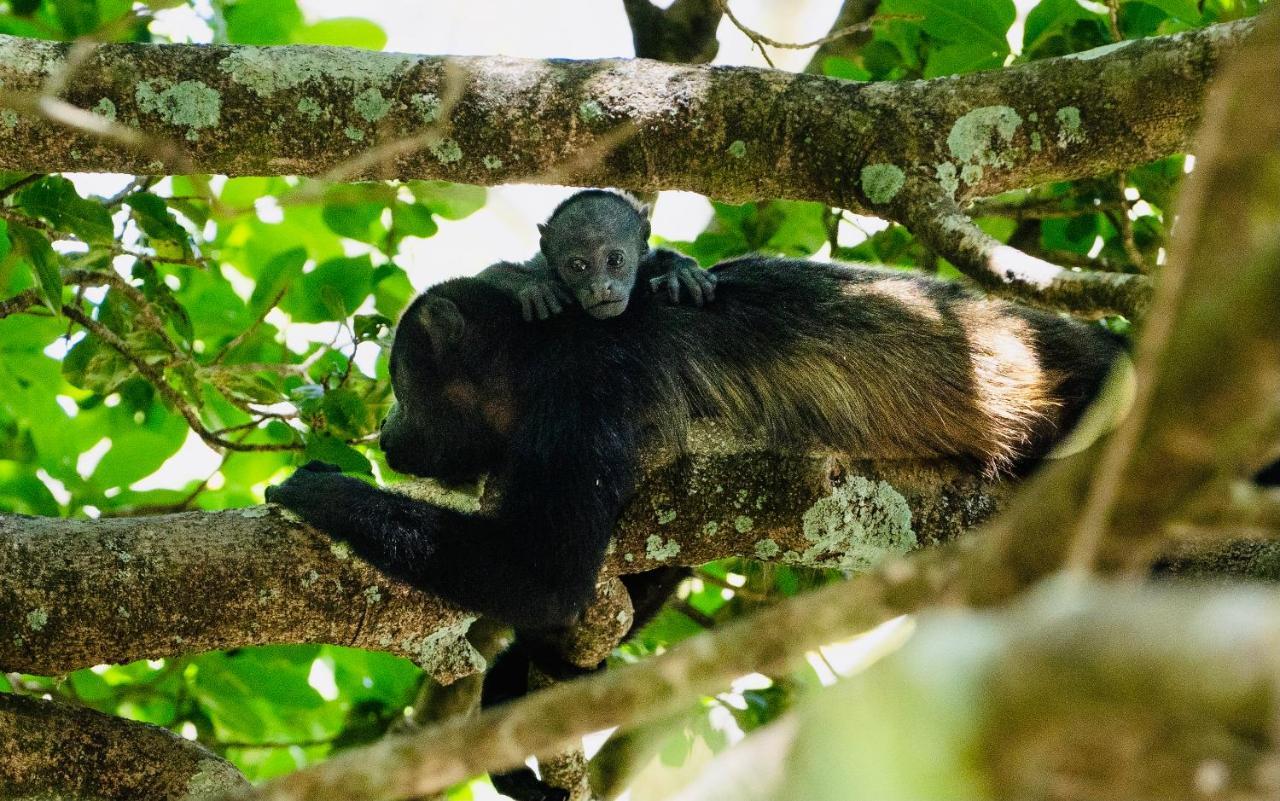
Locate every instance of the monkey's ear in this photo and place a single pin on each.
(645, 228)
(543, 232)
(645, 210)
(444, 324)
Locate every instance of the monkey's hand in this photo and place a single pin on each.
(682, 271)
(542, 298)
(319, 494)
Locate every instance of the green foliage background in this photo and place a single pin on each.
(180, 273)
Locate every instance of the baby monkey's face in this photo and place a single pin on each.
(595, 246)
(599, 271)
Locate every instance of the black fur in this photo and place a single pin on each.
(803, 352)
(857, 360)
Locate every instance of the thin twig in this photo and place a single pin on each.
(20, 302)
(157, 379)
(1113, 19)
(760, 40)
(240, 338)
(116, 248)
(19, 184)
(1120, 217)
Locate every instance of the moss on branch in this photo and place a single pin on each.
(731, 133)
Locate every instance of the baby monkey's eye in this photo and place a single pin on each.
(615, 258)
(578, 265)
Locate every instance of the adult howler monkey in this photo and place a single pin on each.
(874, 363)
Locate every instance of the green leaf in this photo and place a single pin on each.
(448, 200)
(240, 193)
(391, 290)
(77, 17)
(262, 22)
(155, 219)
(973, 22)
(956, 59)
(371, 326)
(412, 219)
(54, 199)
(1052, 18)
(34, 249)
(1074, 234)
(262, 694)
(275, 277)
(346, 414)
(351, 212)
(1185, 10)
(29, 382)
(140, 444)
(335, 451)
(332, 291)
(216, 311)
(94, 366)
(837, 67)
(344, 32)
(22, 491)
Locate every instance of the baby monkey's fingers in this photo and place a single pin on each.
(673, 287)
(708, 281)
(691, 283)
(540, 305)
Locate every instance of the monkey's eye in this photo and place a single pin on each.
(615, 258)
(578, 265)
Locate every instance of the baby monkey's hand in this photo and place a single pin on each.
(683, 271)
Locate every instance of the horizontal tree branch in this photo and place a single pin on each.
(731, 133)
(75, 593)
(938, 221)
(68, 751)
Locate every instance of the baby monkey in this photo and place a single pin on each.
(593, 249)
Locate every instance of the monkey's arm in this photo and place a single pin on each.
(669, 269)
(533, 283)
(533, 565)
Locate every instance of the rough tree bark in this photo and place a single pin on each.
(730, 133)
(75, 593)
(55, 750)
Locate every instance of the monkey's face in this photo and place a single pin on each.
(599, 273)
(596, 250)
(442, 424)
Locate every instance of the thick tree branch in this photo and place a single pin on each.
(75, 593)
(939, 223)
(73, 752)
(731, 133)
